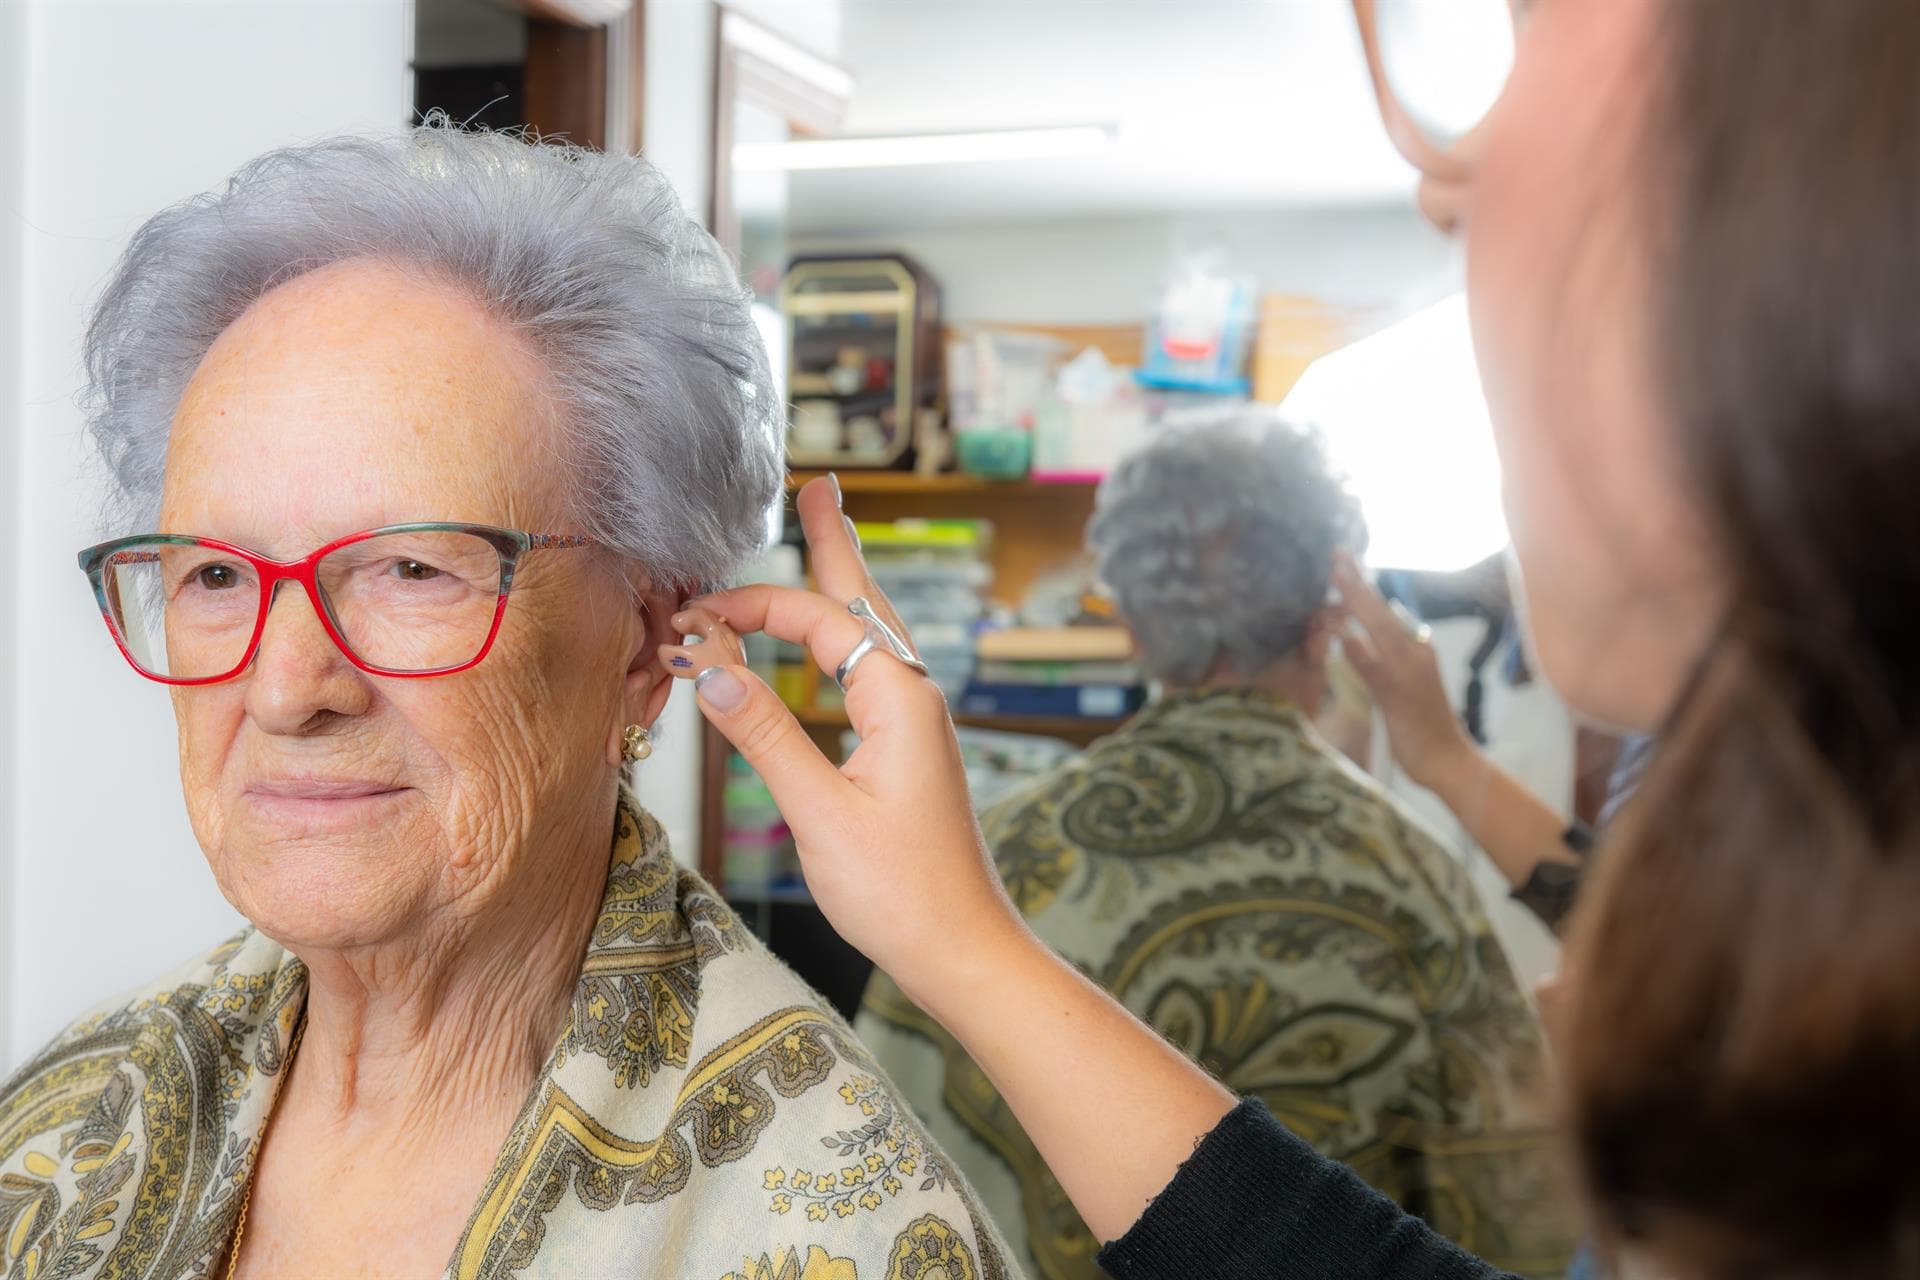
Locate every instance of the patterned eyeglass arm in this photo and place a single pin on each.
(556, 541)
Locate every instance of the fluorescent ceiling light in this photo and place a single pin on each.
(1405, 419)
(926, 148)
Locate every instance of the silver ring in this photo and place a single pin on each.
(1420, 631)
(878, 636)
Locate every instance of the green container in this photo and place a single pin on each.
(995, 454)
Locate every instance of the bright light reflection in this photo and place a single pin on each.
(922, 149)
(1406, 421)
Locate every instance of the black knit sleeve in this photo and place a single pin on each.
(1254, 1200)
(1554, 887)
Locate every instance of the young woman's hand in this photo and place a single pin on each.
(888, 842)
(1515, 828)
(1400, 670)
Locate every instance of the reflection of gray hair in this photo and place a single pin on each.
(1216, 540)
(631, 304)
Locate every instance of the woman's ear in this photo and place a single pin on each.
(646, 686)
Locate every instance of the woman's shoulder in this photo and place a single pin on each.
(727, 1098)
(240, 963)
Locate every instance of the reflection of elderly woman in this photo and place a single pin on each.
(1236, 883)
(444, 406)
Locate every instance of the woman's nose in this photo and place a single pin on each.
(298, 672)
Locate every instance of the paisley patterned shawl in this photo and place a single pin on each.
(1261, 903)
(704, 1117)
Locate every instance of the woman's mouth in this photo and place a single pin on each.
(312, 801)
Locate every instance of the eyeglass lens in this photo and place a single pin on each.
(1445, 60)
(404, 602)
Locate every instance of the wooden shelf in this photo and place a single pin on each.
(1078, 728)
(947, 482)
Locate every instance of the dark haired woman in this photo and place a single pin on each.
(1693, 235)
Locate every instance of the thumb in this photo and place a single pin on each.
(749, 715)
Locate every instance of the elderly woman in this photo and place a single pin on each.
(1247, 892)
(420, 440)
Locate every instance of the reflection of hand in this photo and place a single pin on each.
(887, 840)
(1402, 673)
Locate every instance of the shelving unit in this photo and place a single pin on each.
(1081, 729)
(864, 483)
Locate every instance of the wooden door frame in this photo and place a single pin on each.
(579, 72)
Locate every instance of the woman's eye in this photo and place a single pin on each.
(414, 571)
(217, 577)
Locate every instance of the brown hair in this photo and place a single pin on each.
(1744, 1065)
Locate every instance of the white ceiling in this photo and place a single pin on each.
(1217, 103)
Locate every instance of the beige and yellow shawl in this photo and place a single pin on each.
(704, 1116)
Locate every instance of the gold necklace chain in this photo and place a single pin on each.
(246, 1200)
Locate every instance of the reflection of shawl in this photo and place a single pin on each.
(703, 1116)
(1265, 907)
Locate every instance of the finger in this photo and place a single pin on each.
(1364, 603)
(833, 547)
(883, 694)
(806, 618)
(804, 783)
(839, 569)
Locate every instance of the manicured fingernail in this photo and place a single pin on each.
(720, 689)
(684, 663)
(853, 532)
(833, 478)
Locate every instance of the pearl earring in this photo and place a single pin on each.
(636, 743)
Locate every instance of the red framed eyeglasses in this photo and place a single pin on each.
(408, 600)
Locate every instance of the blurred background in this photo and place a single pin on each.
(994, 243)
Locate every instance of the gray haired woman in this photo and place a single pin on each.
(1233, 881)
(489, 411)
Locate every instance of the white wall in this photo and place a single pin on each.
(1111, 270)
(121, 107)
(13, 29)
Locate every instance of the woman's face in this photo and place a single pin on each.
(347, 399)
(1620, 589)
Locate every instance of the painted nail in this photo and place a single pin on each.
(720, 689)
(684, 663)
(853, 532)
(833, 478)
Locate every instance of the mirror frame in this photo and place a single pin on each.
(756, 64)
